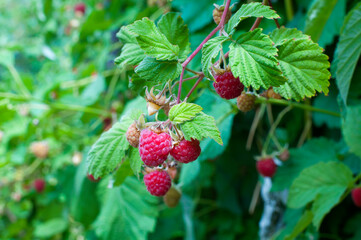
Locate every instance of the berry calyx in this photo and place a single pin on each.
(172, 197)
(218, 12)
(92, 178)
(158, 182)
(133, 135)
(154, 148)
(39, 185)
(356, 196)
(246, 101)
(227, 86)
(186, 151)
(266, 167)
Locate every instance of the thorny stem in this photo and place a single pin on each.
(186, 62)
(296, 105)
(195, 85)
(276, 21)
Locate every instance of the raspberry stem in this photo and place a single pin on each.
(187, 61)
(195, 85)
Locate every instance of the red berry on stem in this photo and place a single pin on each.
(92, 178)
(154, 148)
(227, 86)
(266, 167)
(158, 182)
(80, 7)
(39, 185)
(186, 151)
(356, 196)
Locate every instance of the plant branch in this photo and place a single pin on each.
(276, 21)
(195, 85)
(186, 62)
(16, 76)
(296, 105)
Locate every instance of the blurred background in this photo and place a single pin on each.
(60, 89)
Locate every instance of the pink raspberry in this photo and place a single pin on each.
(227, 86)
(154, 148)
(80, 7)
(356, 196)
(158, 182)
(92, 178)
(186, 151)
(39, 185)
(266, 167)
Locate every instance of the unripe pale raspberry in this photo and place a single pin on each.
(158, 182)
(171, 199)
(227, 86)
(133, 135)
(285, 155)
(356, 196)
(217, 15)
(266, 167)
(154, 148)
(246, 101)
(39, 185)
(270, 93)
(40, 149)
(186, 151)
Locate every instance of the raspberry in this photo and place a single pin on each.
(154, 148)
(227, 86)
(80, 8)
(40, 149)
(270, 93)
(133, 135)
(356, 196)
(171, 199)
(186, 151)
(92, 178)
(158, 182)
(266, 167)
(218, 12)
(245, 102)
(39, 185)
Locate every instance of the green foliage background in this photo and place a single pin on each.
(59, 84)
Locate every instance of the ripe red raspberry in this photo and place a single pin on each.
(92, 178)
(154, 148)
(158, 182)
(245, 102)
(80, 8)
(39, 185)
(356, 196)
(186, 151)
(266, 167)
(227, 86)
(133, 135)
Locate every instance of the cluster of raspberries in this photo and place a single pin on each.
(154, 149)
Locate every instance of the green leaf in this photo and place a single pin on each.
(6, 57)
(348, 50)
(317, 17)
(305, 67)
(50, 228)
(158, 71)
(131, 55)
(128, 212)
(184, 112)
(125, 36)
(200, 127)
(280, 35)
(249, 10)
(109, 150)
(324, 183)
(302, 224)
(152, 41)
(122, 173)
(135, 161)
(211, 50)
(351, 128)
(176, 31)
(313, 151)
(252, 59)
